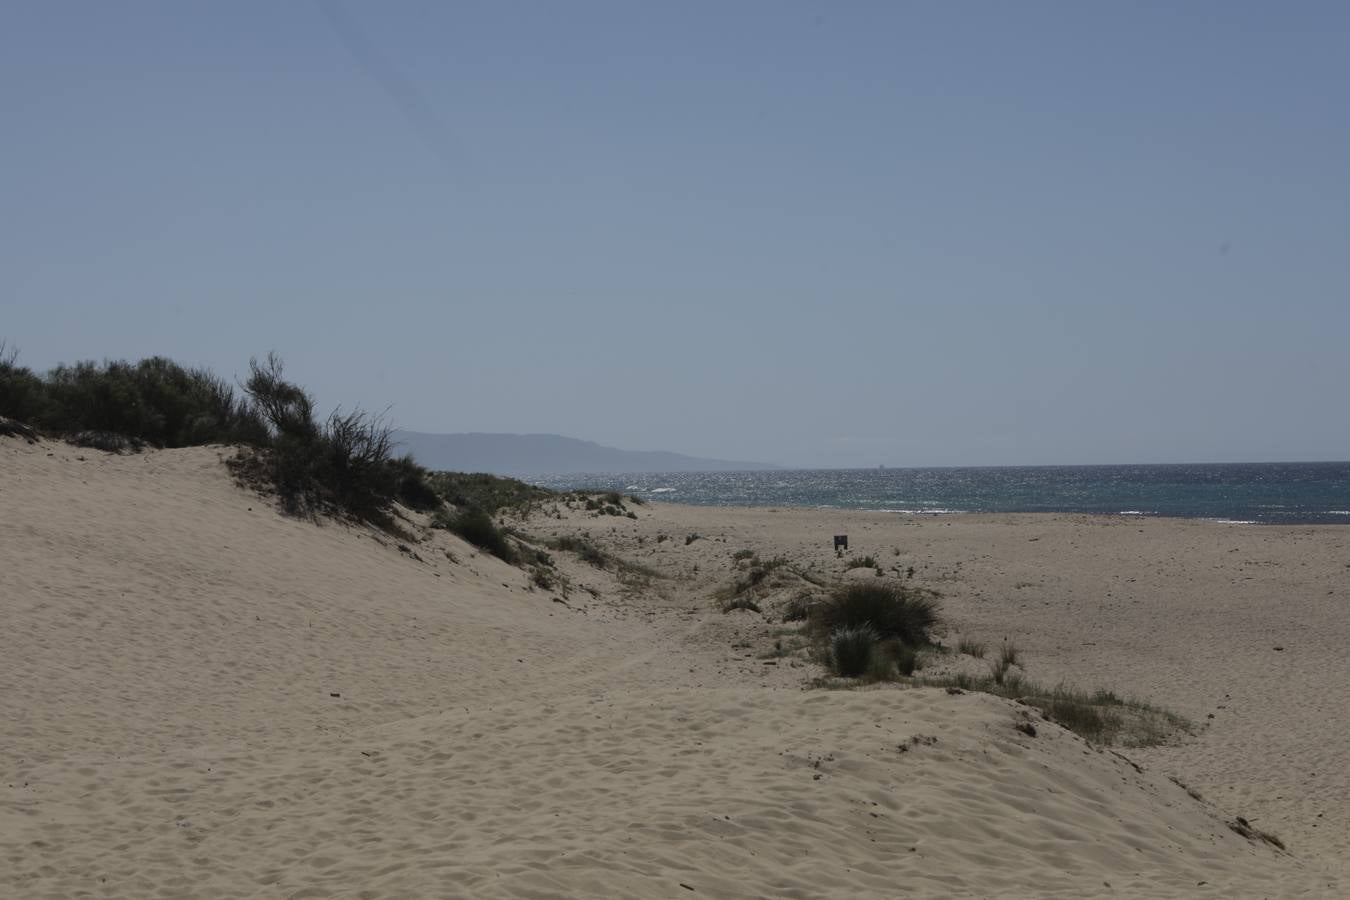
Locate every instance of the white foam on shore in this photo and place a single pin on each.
(662, 490)
(1232, 521)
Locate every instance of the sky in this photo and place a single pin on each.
(813, 234)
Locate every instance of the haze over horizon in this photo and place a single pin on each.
(800, 234)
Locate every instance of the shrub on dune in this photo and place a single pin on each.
(892, 610)
(477, 527)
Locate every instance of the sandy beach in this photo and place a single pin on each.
(202, 697)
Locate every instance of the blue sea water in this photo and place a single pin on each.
(1265, 493)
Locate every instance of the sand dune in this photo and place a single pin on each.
(203, 698)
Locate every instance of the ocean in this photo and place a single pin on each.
(1239, 493)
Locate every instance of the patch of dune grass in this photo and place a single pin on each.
(490, 493)
(1099, 716)
(477, 527)
(971, 647)
(582, 547)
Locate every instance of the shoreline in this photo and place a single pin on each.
(1124, 517)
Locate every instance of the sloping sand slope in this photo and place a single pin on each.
(167, 669)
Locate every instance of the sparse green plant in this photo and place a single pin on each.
(781, 649)
(743, 554)
(851, 648)
(631, 571)
(862, 562)
(797, 609)
(972, 647)
(582, 547)
(691, 537)
(1099, 716)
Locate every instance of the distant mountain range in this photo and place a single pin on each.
(549, 454)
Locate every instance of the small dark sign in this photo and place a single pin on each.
(841, 542)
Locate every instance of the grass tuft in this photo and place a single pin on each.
(851, 649)
(797, 609)
(971, 648)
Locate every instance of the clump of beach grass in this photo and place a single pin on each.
(851, 649)
(894, 611)
(1008, 656)
(971, 647)
(798, 608)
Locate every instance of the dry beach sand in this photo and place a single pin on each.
(200, 697)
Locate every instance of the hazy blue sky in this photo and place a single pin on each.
(815, 234)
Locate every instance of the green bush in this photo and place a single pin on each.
(156, 401)
(346, 463)
(890, 609)
(477, 527)
(851, 649)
